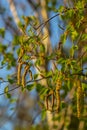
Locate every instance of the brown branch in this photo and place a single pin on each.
(1, 67)
(14, 11)
(25, 86)
(9, 90)
(44, 23)
(3, 81)
(66, 9)
(39, 80)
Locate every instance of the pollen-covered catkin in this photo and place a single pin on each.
(24, 75)
(57, 100)
(19, 73)
(58, 86)
(21, 54)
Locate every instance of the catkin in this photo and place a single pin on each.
(19, 73)
(58, 94)
(21, 54)
(24, 75)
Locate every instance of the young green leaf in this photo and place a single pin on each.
(30, 87)
(6, 89)
(2, 32)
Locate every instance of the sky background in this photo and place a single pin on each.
(26, 11)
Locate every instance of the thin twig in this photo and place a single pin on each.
(3, 81)
(25, 86)
(44, 23)
(66, 9)
(9, 90)
(31, 81)
(1, 67)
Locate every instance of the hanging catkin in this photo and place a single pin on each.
(24, 75)
(19, 73)
(58, 86)
(21, 54)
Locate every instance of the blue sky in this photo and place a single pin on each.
(8, 36)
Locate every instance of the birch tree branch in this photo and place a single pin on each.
(14, 11)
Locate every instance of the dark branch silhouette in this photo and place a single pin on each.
(31, 81)
(66, 9)
(25, 86)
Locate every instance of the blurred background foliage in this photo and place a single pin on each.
(43, 65)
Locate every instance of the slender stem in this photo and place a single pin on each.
(25, 86)
(66, 9)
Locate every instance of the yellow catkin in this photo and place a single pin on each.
(21, 54)
(24, 75)
(51, 93)
(79, 98)
(19, 73)
(58, 86)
